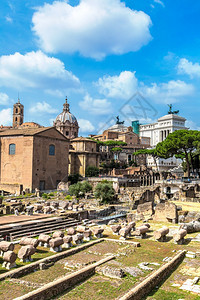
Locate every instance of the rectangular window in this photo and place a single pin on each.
(42, 185)
(52, 150)
(11, 149)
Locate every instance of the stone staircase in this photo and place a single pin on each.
(15, 231)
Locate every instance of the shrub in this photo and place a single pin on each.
(92, 171)
(105, 192)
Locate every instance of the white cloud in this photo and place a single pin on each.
(187, 67)
(169, 92)
(94, 28)
(95, 106)
(122, 86)
(35, 70)
(4, 99)
(126, 85)
(9, 19)
(85, 125)
(6, 116)
(42, 108)
(159, 2)
(192, 125)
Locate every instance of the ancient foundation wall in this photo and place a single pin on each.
(148, 284)
(16, 273)
(56, 287)
(11, 188)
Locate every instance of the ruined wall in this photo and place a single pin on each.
(166, 212)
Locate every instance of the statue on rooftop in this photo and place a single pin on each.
(118, 121)
(171, 112)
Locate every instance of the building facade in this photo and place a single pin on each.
(32, 158)
(82, 154)
(158, 132)
(121, 133)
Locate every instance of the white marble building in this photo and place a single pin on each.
(158, 132)
(162, 128)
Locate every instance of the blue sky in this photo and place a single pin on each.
(109, 57)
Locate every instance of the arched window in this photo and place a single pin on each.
(16, 110)
(16, 119)
(11, 149)
(52, 150)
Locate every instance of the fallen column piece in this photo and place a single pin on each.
(191, 227)
(77, 238)
(87, 235)
(58, 233)
(179, 236)
(132, 225)
(55, 244)
(44, 240)
(29, 241)
(147, 225)
(9, 258)
(124, 233)
(6, 246)
(116, 229)
(47, 210)
(141, 232)
(25, 253)
(160, 234)
(67, 239)
(81, 228)
(98, 232)
(71, 231)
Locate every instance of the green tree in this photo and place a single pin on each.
(74, 178)
(182, 144)
(92, 171)
(104, 191)
(86, 187)
(75, 189)
(151, 152)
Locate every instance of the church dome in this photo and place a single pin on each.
(66, 122)
(66, 115)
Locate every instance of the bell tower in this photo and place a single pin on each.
(18, 114)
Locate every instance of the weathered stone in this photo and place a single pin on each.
(179, 236)
(6, 246)
(44, 239)
(116, 228)
(71, 231)
(25, 253)
(145, 209)
(98, 232)
(58, 233)
(112, 272)
(160, 234)
(29, 241)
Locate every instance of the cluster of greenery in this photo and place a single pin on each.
(108, 143)
(104, 191)
(46, 196)
(92, 171)
(116, 149)
(80, 188)
(184, 144)
(108, 166)
(74, 178)
(68, 197)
